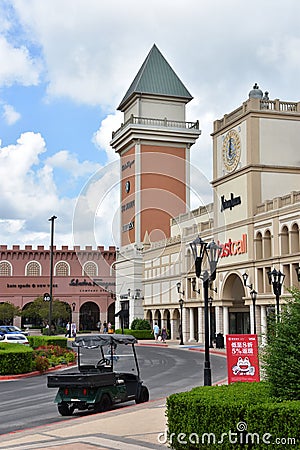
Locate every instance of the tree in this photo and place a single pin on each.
(38, 311)
(281, 359)
(7, 312)
(140, 324)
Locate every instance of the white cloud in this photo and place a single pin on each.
(103, 135)
(18, 67)
(64, 160)
(10, 115)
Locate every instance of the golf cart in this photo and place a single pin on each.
(107, 373)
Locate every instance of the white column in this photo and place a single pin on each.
(225, 321)
(219, 328)
(192, 326)
(263, 326)
(251, 319)
(184, 324)
(200, 324)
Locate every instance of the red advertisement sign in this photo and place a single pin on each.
(242, 357)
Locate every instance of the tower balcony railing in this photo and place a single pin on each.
(148, 121)
(255, 104)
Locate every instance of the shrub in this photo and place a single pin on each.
(54, 355)
(281, 358)
(38, 341)
(41, 363)
(244, 411)
(15, 358)
(139, 334)
(140, 324)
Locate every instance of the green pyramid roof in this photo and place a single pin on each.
(156, 77)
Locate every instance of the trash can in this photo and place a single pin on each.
(220, 340)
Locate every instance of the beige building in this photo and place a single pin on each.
(254, 216)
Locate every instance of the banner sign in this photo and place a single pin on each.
(242, 357)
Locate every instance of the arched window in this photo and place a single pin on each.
(90, 269)
(5, 269)
(33, 269)
(295, 238)
(258, 245)
(62, 269)
(284, 240)
(267, 244)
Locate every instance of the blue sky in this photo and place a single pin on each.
(66, 65)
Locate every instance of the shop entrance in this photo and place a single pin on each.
(239, 314)
(239, 323)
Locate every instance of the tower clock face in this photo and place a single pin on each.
(231, 150)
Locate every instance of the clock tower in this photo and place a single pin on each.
(154, 144)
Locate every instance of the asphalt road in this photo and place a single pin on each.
(27, 402)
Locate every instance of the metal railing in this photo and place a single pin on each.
(151, 122)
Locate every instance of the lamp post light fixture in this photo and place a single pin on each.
(211, 251)
(276, 278)
(193, 281)
(245, 278)
(179, 287)
(51, 272)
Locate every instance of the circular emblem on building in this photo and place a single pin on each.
(127, 186)
(231, 150)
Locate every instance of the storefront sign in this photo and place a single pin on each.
(127, 206)
(128, 226)
(229, 204)
(127, 165)
(242, 357)
(232, 248)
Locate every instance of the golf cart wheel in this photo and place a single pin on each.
(65, 409)
(144, 395)
(104, 404)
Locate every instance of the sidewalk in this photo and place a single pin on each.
(133, 427)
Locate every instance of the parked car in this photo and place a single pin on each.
(11, 338)
(7, 329)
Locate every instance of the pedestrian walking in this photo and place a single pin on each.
(164, 334)
(156, 331)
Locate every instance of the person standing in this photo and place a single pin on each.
(104, 327)
(68, 330)
(99, 326)
(156, 331)
(164, 334)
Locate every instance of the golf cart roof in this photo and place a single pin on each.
(99, 340)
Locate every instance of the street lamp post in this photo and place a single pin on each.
(276, 278)
(253, 294)
(212, 251)
(181, 310)
(51, 272)
(211, 338)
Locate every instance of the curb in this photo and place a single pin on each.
(212, 352)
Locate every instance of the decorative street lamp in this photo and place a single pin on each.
(212, 251)
(253, 294)
(276, 278)
(181, 309)
(51, 272)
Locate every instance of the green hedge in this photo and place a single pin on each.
(15, 358)
(38, 341)
(139, 334)
(235, 414)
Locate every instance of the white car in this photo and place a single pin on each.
(14, 338)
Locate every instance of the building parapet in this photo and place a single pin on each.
(256, 104)
(64, 248)
(195, 213)
(279, 202)
(134, 120)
